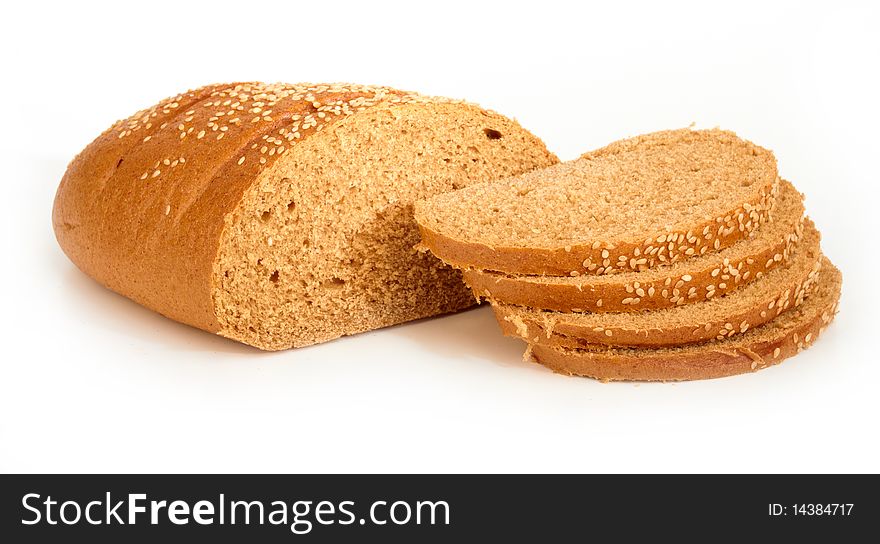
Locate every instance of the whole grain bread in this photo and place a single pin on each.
(717, 318)
(759, 348)
(667, 286)
(281, 215)
(635, 204)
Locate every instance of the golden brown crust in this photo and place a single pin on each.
(562, 334)
(712, 360)
(607, 294)
(143, 208)
(598, 258)
(714, 364)
(102, 219)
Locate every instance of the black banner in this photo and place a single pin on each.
(408, 508)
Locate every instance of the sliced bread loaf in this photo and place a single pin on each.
(281, 215)
(718, 318)
(693, 280)
(650, 200)
(769, 344)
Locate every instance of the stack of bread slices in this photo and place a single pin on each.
(675, 255)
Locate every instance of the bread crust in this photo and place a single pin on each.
(606, 257)
(608, 294)
(143, 209)
(703, 361)
(118, 233)
(562, 334)
(712, 364)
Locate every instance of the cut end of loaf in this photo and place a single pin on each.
(324, 245)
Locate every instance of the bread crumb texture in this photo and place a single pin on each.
(664, 286)
(281, 215)
(637, 203)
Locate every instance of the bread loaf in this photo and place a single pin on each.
(667, 286)
(717, 318)
(759, 348)
(281, 215)
(635, 204)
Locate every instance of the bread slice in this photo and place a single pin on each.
(630, 206)
(693, 280)
(281, 215)
(769, 344)
(718, 318)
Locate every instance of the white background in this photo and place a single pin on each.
(92, 382)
